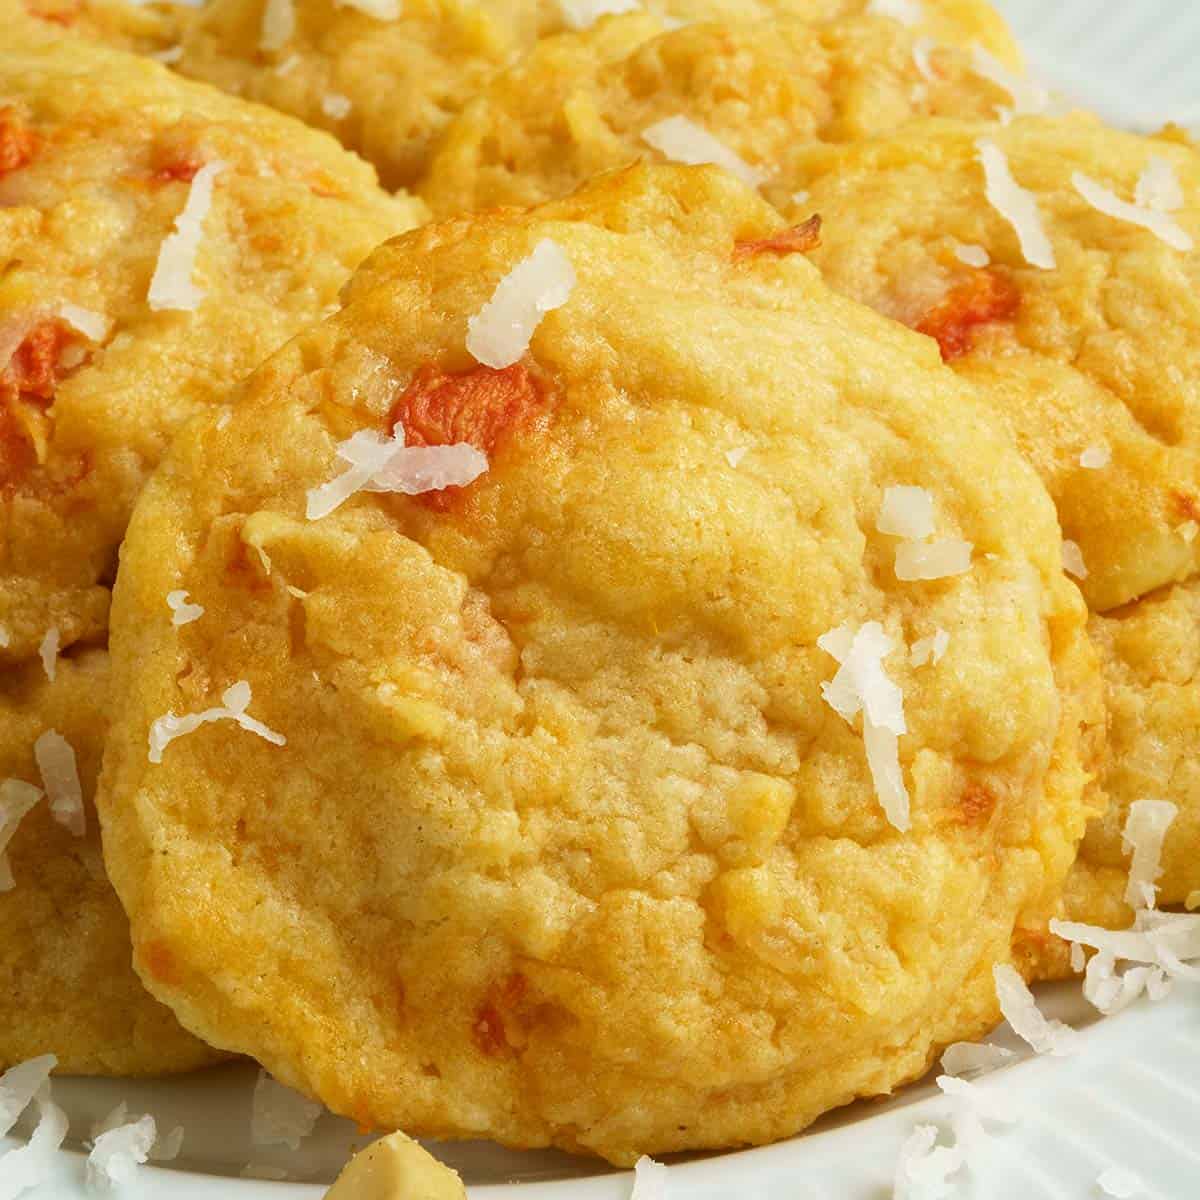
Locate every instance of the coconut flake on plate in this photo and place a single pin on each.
(48, 652)
(683, 141)
(649, 1179)
(583, 14)
(93, 325)
(974, 1058)
(182, 611)
(60, 778)
(1029, 98)
(862, 685)
(923, 1168)
(281, 1116)
(971, 255)
(234, 702)
(117, 1153)
(940, 559)
(278, 24)
(1072, 559)
(906, 512)
(907, 12)
(499, 334)
(336, 106)
(1158, 187)
(16, 799)
(172, 286)
(19, 1085)
(1016, 205)
(1145, 829)
(1095, 458)
(1045, 1035)
(1119, 1183)
(381, 10)
(32, 1164)
(1161, 224)
(929, 649)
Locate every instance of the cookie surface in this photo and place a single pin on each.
(69, 986)
(1094, 364)
(387, 85)
(564, 845)
(100, 151)
(589, 101)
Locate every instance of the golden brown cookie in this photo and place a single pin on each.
(1094, 363)
(538, 808)
(387, 78)
(104, 157)
(638, 86)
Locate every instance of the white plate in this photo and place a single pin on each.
(1130, 1098)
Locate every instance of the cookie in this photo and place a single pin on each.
(743, 93)
(387, 78)
(536, 806)
(104, 156)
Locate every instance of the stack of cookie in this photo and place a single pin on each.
(625, 665)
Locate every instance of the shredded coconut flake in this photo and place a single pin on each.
(971, 255)
(48, 652)
(922, 49)
(182, 612)
(32, 1164)
(172, 286)
(682, 140)
(379, 464)
(1145, 828)
(118, 1152)
(16, 799)
(1095, 458)
(1078, 958)
(19, 1085)
(583, 14)
(499, 334)
(734, 457)
(1188, 531)
(1020, 1010)
(1161, 224)
(933, 560)
(1072, 559)
(924, 1169)
(974, 1058)
(172, 54)
(234, 702)
(1158, 187)
(649, 1180)
(800, 197)
(929, 649)
(288, 65)
(906, 512)
(336, 106)
(1028, 96)
(862, 685)
(278, 24)
(1116, 1181)
(281, 1116)
(60, 778)
(381, 10)
(93, 325)
(1015, 205)
(907, 12)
